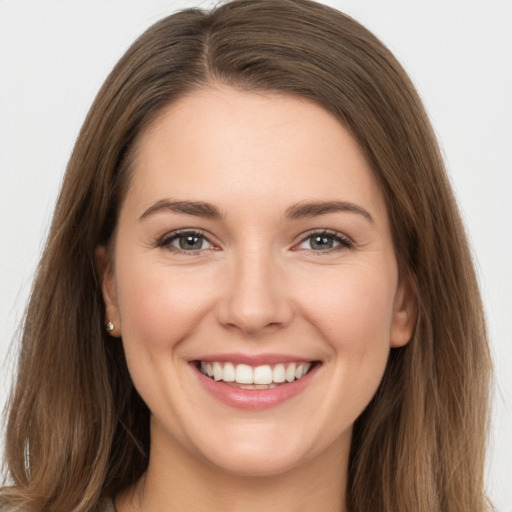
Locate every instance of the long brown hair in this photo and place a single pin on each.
(78, 430)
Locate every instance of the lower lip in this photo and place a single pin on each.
(254, 399)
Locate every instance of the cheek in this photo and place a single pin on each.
(353, 307)
(354, 318)
(158, 306)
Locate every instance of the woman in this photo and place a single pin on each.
(243, 300)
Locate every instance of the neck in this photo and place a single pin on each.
(183, 482)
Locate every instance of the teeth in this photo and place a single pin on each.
(262, 375)
(290, 372)
(279, 373)
(229, 374)
(243, 374)
(258, 377)
(257, 386)
(217, 371)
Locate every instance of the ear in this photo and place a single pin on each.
(405, 311)
(106, 277)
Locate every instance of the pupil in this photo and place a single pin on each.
(190, 242)
(321, 242)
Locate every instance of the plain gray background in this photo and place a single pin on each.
(54, 55)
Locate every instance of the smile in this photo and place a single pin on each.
(255, 385)
(245, 376)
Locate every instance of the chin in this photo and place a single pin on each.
(254, 462)
(259, 450)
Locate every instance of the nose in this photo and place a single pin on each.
(255, 297)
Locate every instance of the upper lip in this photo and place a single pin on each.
(253, 359)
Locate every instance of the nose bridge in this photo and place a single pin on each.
(255, 295)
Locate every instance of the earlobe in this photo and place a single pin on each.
(106, 279)
(405, 312)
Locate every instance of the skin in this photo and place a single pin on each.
(256, 286)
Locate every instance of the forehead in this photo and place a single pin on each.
(226, 146)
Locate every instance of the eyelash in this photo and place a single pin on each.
(343, 241)
(167, 240)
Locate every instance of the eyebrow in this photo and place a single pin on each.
(196, 208)
(295, 212)
(314, 209)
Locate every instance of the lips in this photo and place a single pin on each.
(254, 383)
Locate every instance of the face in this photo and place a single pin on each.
(253, 281)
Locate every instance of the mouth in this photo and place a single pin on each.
(244, 376)
(254, 386)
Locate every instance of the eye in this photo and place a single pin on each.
(325, 241)
(185, 241)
